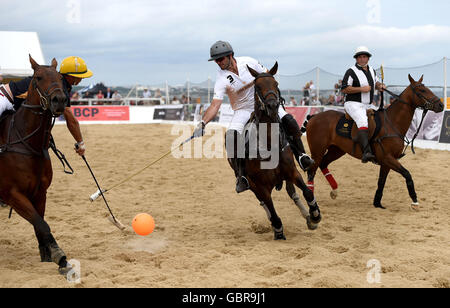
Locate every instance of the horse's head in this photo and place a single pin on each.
(423, 97)
(46, 88)
(267, 94)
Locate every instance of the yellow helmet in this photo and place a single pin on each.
(76, 67)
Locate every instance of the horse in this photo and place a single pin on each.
(387, 142)
(262, 181)
(25, 166)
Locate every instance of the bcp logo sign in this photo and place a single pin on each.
(85, 112)
(102, 113)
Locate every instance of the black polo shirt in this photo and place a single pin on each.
(20, 87)
(351, 79)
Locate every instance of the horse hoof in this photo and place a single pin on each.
(379, 206)
(279, 237)
(334, 194)
(311, 226)
(415, 207)
(279, 234)
(64, 270)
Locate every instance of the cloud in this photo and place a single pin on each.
(152, 41)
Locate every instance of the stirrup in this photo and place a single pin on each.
(242, 184)
(307, 162)
(3, 204)
(367, 157)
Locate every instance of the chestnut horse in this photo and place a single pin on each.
(25, 166)
(327, 146)
(263, 180)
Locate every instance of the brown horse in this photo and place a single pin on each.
(25, 167)
(263, 180)
(327, 146)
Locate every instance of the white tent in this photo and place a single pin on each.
(14, 60)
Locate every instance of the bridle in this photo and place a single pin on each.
(44, 96)
(263, 98)
(427, 106)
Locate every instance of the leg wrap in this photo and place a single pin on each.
(330, 179)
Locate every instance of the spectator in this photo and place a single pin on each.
(312, 91)
(147, 93)
(292, 102)
(74, 99)
(184, 99)
(158, 93)
(175, 101)
(108, 94)
(117, 98)
(306, 95)
(99, 96)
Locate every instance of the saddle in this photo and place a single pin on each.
(346, 126)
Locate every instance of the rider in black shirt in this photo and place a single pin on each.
(73, 69)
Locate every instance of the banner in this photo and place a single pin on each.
(168, 113)
(431, 127)
(101, 113)
(445, 132)
(300, 113)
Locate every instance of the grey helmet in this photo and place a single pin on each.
(220, 49)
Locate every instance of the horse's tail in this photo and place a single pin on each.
(303, 129)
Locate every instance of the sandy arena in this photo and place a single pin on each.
(208, 236)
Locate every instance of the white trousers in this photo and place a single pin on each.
(358, 112)
(241, 117)
(5, 104)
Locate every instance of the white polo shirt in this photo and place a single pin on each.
(225, 78)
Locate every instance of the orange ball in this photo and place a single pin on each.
(143, 224)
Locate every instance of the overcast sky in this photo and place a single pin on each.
(148, 42)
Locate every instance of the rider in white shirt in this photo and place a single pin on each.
(234, 79)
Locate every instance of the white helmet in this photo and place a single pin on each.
(363, 50)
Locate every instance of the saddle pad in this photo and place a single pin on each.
(344, 126)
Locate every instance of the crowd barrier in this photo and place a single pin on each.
(435, 132)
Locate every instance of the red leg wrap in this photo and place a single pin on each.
(330, 179)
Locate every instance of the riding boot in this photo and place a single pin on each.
(241, 181)
(232, 141)
(363, 140)
(290, 126)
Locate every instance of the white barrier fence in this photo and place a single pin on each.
(434, 134)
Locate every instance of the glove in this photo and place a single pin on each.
(80, 148)
(200, 130)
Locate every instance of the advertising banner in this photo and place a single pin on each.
(101, 113)
(445, 131)
(168, 113)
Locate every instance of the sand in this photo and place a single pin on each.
(208, 236)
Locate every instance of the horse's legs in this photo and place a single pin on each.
(384, 171)
(317, 153)
(25, 209)
(314, 210)
(333, 154)
(296, 198)
(265, 198)
(395, 165)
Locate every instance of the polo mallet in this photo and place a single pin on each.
(99, 192)
(111, 218)
(382, 92)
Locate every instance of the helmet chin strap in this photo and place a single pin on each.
(229, 63)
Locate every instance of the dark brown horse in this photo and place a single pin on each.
(263, 179)
(25, 167)
(327, 146)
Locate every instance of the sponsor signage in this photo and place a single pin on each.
(169, 114)
(445, 130)
(101, 113)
